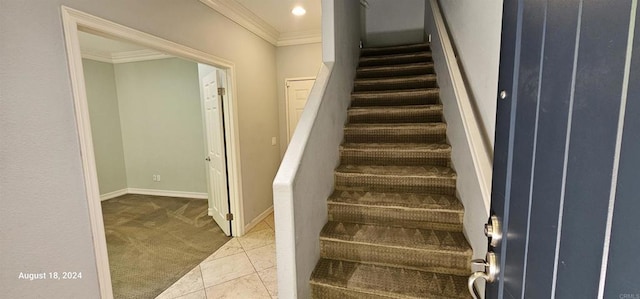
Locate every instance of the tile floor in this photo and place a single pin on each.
(244, 267)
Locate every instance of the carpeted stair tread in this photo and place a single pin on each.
(334, 279)
(421, 96)
(396, 154)
(412, 248)
(418, 201)
(395, 70)
(394, 83)
(373, 51)
(393, 59)
(408, 210)
(396, 133)
(401, 171)
(395, 114)
(453, 243)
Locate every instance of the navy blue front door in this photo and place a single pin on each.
(566, 184)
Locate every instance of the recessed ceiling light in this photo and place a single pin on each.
(298, 11)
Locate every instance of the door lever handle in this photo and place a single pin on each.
(489, 274)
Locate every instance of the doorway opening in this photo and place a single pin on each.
(74, 22)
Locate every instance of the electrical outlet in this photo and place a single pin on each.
(274, 141)
(157, 177)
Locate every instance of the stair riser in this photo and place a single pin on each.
(387, 117)
(394, 50)
(391, 136)
(372, 61)
(360, 100)
(383, 85)
(378, 183)
(322, 291)
(399, 217)
(358, 157)
(404, 71)
(428, 260)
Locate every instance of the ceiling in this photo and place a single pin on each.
(272, 19)
(269, 19)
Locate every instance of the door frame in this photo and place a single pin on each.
(286, 99)
(74, 20)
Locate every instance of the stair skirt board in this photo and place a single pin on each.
(395, 224)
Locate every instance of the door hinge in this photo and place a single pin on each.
(221, 91)
(229, 217)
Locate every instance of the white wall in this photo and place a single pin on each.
(475, 28)
(294, 62)
(470, 158)
(305, 177)
(44, 220)
(392, 22)
(102, 98)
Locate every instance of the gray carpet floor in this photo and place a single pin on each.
(153, 241)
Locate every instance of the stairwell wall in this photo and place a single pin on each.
(306, 176)
(471, 159)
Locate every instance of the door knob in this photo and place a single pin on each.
(491, 270)
(493, 231)
(207, 158)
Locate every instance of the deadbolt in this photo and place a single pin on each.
(503, 94)
(493, 231)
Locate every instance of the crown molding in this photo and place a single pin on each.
(239, 14)
(245, 18)
(299, 38)
(124, 56)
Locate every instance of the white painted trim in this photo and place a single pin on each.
(286, 100)
(72, 21)
(113, 194)
(258, 219)
(299, 38)
(154, 192)
(87, 154)
(169, 193)
(481, 156)
(124, 56)
(245, 18)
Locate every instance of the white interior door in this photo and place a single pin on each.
(216, 164)
(297, 94)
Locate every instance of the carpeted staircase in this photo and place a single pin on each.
(395, 225)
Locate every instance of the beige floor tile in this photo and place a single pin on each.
(257, 239)
(230, 248)
(260, 226)
(249, 286)
(263, 257)
(225, 269)
(270, 279)
(189, 283)
(270, 221)
(201, 294)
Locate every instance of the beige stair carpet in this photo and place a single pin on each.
(395, 224)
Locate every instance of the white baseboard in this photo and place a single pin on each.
(170, 193)
(154, 192)
(113, 194)
(257, 220)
